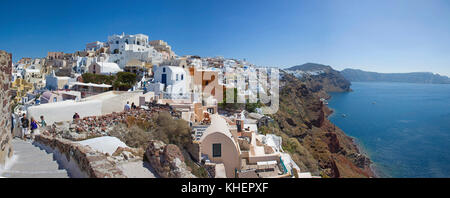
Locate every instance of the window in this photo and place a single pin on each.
(217, 150)
(177, 77)
(164, 69)
(182, 76)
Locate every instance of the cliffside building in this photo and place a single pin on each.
(94, 46)
(124, 48)
(54, 82)
(169, 81)
(164, 48)
(104, 68)
(232, 144)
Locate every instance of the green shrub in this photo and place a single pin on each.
(172, 131)
(133, 136)
(121, 81)
(98, 78)
(197, 170)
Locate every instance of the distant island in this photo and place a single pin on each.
(356, 75)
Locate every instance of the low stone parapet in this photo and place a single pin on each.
(79, 160)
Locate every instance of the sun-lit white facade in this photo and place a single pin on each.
(124, 48)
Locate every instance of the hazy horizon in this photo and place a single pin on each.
(400, 36)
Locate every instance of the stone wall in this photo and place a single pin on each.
(5, 108)
(88, 162)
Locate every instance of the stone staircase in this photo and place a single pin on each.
(198, 131)
(33, 162)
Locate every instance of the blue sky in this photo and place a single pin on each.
(373, 35)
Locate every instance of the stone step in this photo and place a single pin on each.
(33, 174)
(33, 154)
(36, 166)
(33, 162)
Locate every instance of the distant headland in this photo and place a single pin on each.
(356, 75)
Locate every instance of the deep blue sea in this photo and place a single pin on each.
(404, 128)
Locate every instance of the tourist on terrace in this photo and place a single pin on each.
(133, 106)
(76, 116)
(25, 125)
(42, 123)
(127, 106)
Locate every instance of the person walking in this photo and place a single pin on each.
(42, 123)
(25, 125)
(13, 123)
(133, 106)
(19, 125)
(34, 128)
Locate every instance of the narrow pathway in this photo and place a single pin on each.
(33, 162)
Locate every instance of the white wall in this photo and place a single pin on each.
(64, 111)
(97, 105)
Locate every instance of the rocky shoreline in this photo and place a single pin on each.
(358, 146)
(315, 143)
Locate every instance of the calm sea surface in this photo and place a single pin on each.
(405, 128)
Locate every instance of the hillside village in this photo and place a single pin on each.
(129, 100)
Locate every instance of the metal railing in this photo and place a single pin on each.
(284, 166)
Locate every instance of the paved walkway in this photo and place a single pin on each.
(137, 169)
(32, 162)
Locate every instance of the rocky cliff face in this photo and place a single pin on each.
(5, 109)
(315, 144)
(320, 78)
(167, 160)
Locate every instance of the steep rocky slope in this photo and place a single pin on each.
(314, 142)
(320, 78)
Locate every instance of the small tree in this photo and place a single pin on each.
(172, 131)
(124, 80)
(98, 78)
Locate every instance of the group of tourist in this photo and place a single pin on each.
(29, 127)
(128, 107)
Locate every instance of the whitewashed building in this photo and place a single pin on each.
(169, 80)
(54, 82)
(83, 63)
(104, 68)
(94, 46)
(124, 48)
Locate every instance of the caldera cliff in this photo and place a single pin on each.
(315, 144)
